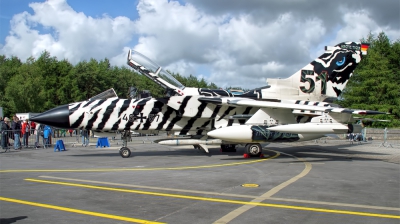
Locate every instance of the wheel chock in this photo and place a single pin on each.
(246, 155)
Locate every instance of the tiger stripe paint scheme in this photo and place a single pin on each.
(151, 114)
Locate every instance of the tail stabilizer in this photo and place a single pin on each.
(322, 79)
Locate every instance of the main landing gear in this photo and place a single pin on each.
(228, 148)
(253, 150)
(125, 152)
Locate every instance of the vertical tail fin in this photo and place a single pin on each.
(324, 78)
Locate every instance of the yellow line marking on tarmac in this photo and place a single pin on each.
(149, 187)
(336, 204)
(226, 194)
(218, 200)
(235, 213)
(116, 217)
(146, 169)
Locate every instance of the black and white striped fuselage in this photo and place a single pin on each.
(182, 114)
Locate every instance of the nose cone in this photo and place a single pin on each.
(56, 117)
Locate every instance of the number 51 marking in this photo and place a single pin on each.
(303, 79)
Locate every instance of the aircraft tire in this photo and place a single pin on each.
(254, 150)
(125, 152)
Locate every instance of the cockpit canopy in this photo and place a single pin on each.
(153, 67)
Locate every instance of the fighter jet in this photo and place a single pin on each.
(293, 109)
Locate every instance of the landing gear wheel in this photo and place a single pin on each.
(125, 152)
(254, 150)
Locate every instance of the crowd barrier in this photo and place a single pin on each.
(36, 140)
(380, 137)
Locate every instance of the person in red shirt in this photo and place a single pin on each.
(33, 126)
(25, 132)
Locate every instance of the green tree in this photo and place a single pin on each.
(375, 84)
(193, 81)
(122, 78)
(24, 91)
(8, 69)
(90, 78)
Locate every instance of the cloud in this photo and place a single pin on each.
(385, 12)
(359, 23)
(56, 27)
(236, 48)
(237, 44)
(170, 32)
(245, 42)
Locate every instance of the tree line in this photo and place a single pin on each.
(46, 82)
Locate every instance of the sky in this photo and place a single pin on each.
(227, 42)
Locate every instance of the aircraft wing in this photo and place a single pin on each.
(369, 119)
(318, 106)
(357, 111)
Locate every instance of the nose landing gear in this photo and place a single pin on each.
(125, 152)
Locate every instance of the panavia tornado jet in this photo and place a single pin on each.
(293, 109)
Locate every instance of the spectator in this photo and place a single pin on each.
(16, 127)
(33, 127)
(25, 133)
(37, 133)
(70, 132)
(85, 137)
(46, 135)
(40, 128)
(350, 137)
(4, 128)
(62, 132)
(357, 137)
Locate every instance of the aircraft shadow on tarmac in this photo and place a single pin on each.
(12, 220)
(161, 152)
(323, 153)
(315, 153)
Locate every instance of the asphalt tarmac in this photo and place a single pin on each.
(293, 183)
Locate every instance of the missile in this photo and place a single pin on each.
(258, 133)
(189, 142)
(315, 128)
